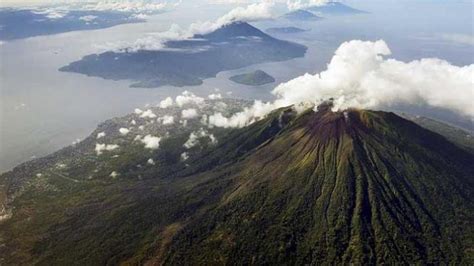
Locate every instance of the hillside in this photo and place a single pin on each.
(188, 62)
(359, 186)
(335, 9)
(256, 78)
(302, 15)
(280, 30)
(459, 136)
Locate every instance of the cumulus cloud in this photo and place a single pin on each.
(138, 111)
(166, 120)
(188, 98)
(129, 6)
(100, 148)
(189, 113)
(148, 114)
(252, 12)
(124, 131)
(150, 161)
(227, 2)
(168, 102)
(151, 142)
(359, 75)
(152, 41)
(214, 96)
(52, 13)
(463, 39)
(157, 40)
(88, 18)
(247, 116)
(184, 156)
(301, 4)
(100, 135)
(114, 174)
(194, 137)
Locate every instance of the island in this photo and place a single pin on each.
(335, 9)
(301, 15)
(285, 30)
(24, 23)
(256, 78)
(187, 62)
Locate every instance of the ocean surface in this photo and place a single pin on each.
(42, 109)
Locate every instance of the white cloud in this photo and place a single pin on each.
(227, 2)
(168, 102)
(152, 41)
(151, 142)
(464, 39)
(52, 13)
(214, 96)
(124, 131)
(194, 137)
(148, 114)
(135, 6)
(157, 40)
(189, 113)
(114, 174)
(188, 98)
(150, 161)
(184, 156)
(100, 148)
(138, 111)
(252, 12)
(360, 76)
(166, 119)
(247, 116)
(88, 18)
(301, 4)
(100, 135)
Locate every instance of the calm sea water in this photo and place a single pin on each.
(42, 110)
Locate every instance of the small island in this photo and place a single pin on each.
(255, 78)
(285, 30)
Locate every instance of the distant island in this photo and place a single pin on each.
(285, 30)
(335, 8)
(301, 15)
(18, 24)
(256, 78)
(188, 62)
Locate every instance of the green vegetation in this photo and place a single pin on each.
(256, 78)
(461, 137)
(359, 187)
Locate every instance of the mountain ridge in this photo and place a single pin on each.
(188, 62)
(316, 187)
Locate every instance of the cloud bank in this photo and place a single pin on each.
(359, 76)
(252, 12)
(301, 4)
(157, 41)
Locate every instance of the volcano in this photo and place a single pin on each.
(188, 62)
(318, 187)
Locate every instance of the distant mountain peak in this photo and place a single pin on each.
(301, 14)
(335, 8)
(233, 30)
